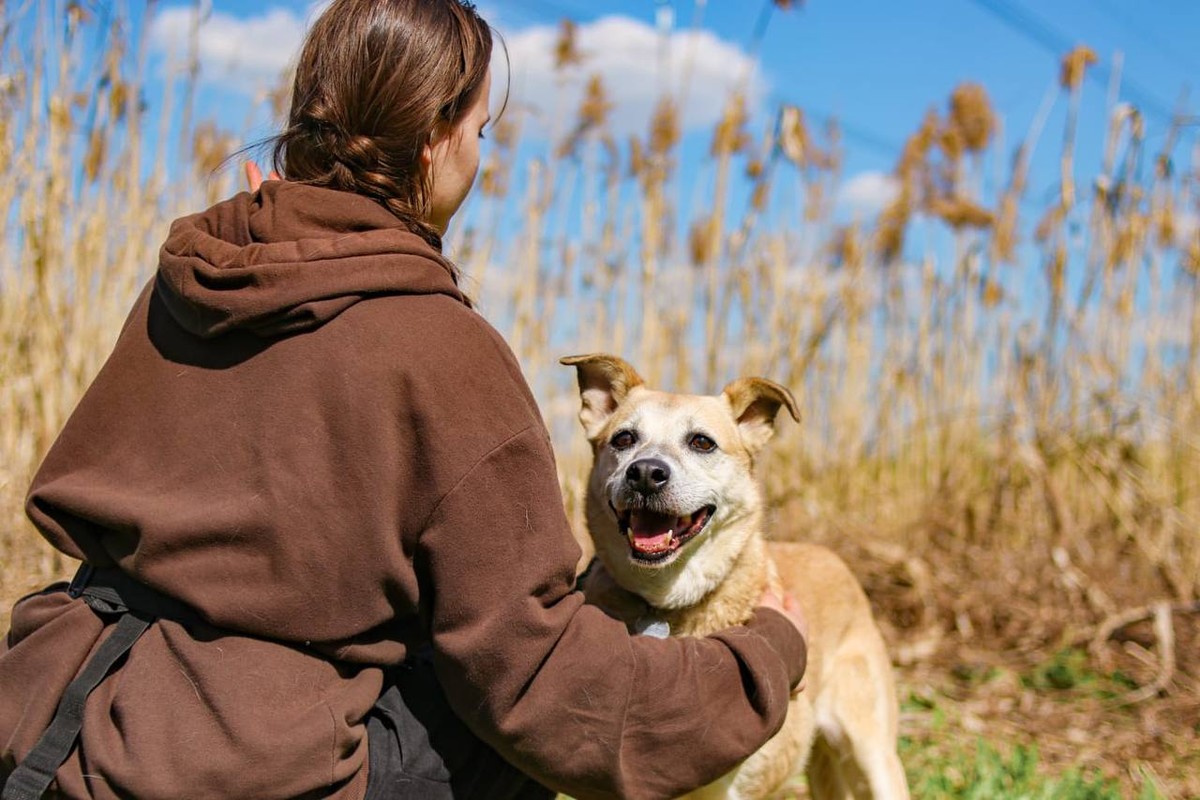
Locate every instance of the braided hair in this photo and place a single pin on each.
(377, 81)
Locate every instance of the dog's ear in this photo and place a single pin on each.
(755, 403)
(603, 383)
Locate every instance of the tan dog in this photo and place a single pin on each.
(676, 518)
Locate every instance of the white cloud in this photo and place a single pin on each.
(867, 192)
(636, 65)
(241, 53)
(635, 62)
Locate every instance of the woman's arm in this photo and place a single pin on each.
(558, 688)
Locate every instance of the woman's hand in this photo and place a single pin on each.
(789, 606)
(254, 176)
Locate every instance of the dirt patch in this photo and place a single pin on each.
(1087, 656)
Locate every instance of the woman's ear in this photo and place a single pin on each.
(434, 151)
(427, 152)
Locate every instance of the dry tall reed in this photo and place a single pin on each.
(89, 182)
(960, 369)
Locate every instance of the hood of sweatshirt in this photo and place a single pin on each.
(289, 258)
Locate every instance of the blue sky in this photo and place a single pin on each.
(877, 65)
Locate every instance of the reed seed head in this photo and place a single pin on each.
(761, 195)
(972, 116)
(1191, 258)
(730, 136)
(593, 115)
(1004, 236)
(1058, 270)
(596, 106)
(793, 136)
(952, 142)
(1075, 65)
(637, 158)
(93, 160)
(566, 47)
(889, 236)
(1130, 236)
(493, 179)
(701, 240)
(992, 294)
(1164, 223)
(664, 127)
(210, 147)
(961, 212)
(847, 247)
(77, 14)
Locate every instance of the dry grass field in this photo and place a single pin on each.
(1001, 393)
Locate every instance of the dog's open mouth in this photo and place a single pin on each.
(653, 536)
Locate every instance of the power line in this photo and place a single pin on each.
(863, 136)
(1052, 40)
(1130, 23)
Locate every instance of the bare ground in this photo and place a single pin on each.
(1098, 666)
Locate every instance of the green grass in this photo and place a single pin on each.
(988, 772)
(1070, 671)
(942, 762)
(938, 769)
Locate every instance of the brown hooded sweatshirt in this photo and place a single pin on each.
(305, 433)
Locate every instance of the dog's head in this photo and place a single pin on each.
(672, 496)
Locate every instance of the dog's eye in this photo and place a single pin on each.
(623, 440)
(701, 443)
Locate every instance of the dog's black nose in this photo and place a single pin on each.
(648, 475)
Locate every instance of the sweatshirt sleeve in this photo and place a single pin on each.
(560, 689)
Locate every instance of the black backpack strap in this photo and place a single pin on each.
(107, 591)
(33, 776)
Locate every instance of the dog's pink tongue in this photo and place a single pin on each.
(651, 532)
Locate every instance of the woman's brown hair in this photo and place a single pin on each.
(376, 82)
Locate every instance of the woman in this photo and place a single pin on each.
(325, 550)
